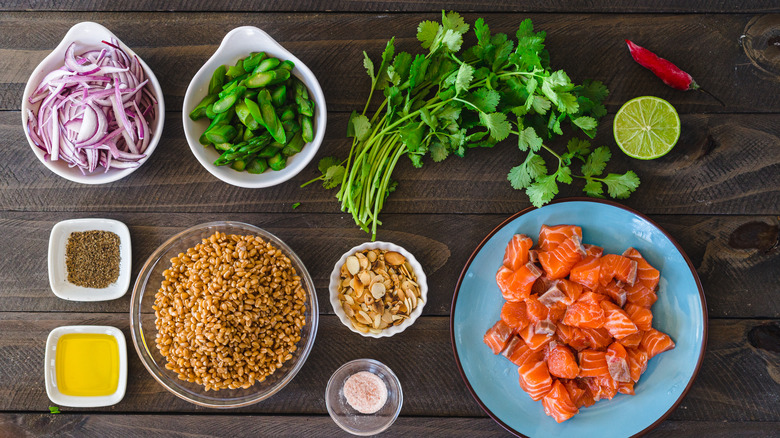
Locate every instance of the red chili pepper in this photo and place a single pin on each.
(672, 75)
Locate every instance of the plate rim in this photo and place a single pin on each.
(507, 221)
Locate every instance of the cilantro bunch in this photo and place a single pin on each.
(449, 100)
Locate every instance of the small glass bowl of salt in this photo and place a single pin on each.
(364, 397)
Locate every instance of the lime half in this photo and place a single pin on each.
(646, 127)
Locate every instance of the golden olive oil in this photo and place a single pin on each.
(87, 364)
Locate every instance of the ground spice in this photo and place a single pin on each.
(365, 392)
(92, 258)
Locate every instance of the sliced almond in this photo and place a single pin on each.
(349, 299)
(359, 327)
(364, 277)
(413, 300)
(345, 282)
(348, 310)
(371, 255)
(387, 316)
(394, 258)
(353, 265)
(377, 321)
(378, 290)
(363, 318)
(400, 293)
(375, 331)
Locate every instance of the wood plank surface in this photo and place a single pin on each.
(655, 6)
(331, 45)
(294, 426)
(738, 381)
(723, 164)
(733, 254)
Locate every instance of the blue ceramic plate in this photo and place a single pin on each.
(680, 311)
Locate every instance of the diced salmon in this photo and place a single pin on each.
(572, 290)
(586, 272)
(593, 250)
(552, 295)
(655, 342)
(593, 363)
(632, 341)
(514, 314)
(615, 266)
(516, 254)
(646, 274)
(640, 295)
(557, 312)
(557, 403)
(576, 392)
(520, 352)
(550, 237)
(602, 387)
(615, 292)
(617, 322)
(626, 388)
(535, 310)
(516, 285)
(542, 284)
(642, 316)
(617, 363)
(558, 262)
(535, 378)
(597, 338)
(561, 362)
(637, 362)
(498, 336)
(585, 313)
(534, 340)
(572, 336)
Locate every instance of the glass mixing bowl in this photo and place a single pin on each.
(144, 332)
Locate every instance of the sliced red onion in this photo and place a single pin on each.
(94, 111)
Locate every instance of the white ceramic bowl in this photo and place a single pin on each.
(88, 35)
(58, 272)
(50, 368)
(335, 278)
(237, 44)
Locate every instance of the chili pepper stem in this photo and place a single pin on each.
(712, 96)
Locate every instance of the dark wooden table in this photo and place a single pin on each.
(717, 193)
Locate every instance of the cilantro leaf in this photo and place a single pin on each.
(540, 104)
(452, 39)
(327, 162)
(359, 126)
(438, 151)
(578, 148)
(529, 139)
(497, 124)
(525, 29)
(369, 65)
(427, 32)
(54, 410)
(567, 103)
(417, 70)
(333, 176)
(296, 205)
(401, 66)
(483, 32)
(484, 99)
(416, 160)
(453, 21)
(594, 188)
(596, 161)
(523, 175)
(621, 186)
(542, 191)
(563, 174)
(586, 123)
(463, 80)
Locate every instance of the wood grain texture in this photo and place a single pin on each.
(662, 6)
(197, 426)
(585, 46)
(737, 382)
(738, 282)
(722, 164)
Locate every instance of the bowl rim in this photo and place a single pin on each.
(305, 349)
(511, 218)
(365, 362)
(75, 34)
(422, 281)
(265, 179)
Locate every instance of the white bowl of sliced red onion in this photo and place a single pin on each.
(93, 111)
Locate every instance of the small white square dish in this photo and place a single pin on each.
(86, 366)
(58, 272)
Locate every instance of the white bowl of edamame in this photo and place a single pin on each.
(260, 143)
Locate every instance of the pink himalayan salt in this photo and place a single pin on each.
(365, 392)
